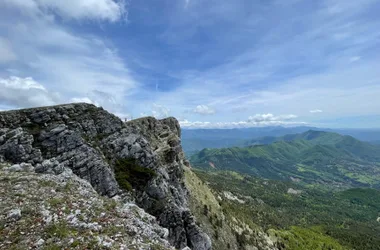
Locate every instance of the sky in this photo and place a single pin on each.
(209, 63)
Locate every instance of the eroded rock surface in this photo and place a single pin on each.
(89, 141)
(49, 211)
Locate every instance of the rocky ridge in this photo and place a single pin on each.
(89, 141)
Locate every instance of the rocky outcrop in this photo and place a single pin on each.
(52, 136)
(89, 141)
(49, 211)
(166, 196)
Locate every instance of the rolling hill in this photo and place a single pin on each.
(194, 140)
(313, 157)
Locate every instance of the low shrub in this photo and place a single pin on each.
(129, 174)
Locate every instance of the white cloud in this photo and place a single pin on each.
(83, 99)
(106, 10)
(159, 111)
(6, 52)
(23, 84)
(196, 124)
(18, 92)
(238, 124)
(355, 58)
(73, 64)
(316, 111)
(258, 120)
(204, 110)
(268, 118)
(124, 116)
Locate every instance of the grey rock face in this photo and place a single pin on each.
(16, 145)
(89, 141)
(166, 196)
(52, 138)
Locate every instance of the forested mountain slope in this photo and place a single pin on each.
(313, 157)
(300, 217)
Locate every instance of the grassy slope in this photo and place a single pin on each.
(227, 229)
(208, 212)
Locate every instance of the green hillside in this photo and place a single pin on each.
(311, 135)
(312, 158)
(300, 217)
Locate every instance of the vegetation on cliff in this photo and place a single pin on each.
(129, 174)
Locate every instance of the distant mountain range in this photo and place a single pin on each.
(194, 140)
(311, 158)
(197, 139)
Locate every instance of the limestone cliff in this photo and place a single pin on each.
(90, 142)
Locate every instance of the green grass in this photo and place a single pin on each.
(55, 202)
(52, 246)
(110, 204)
(60, 230)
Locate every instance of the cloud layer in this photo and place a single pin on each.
(263, 118)
(316, 111)
(257, 120)
(25, 92)
(89, 9)
(108, 10)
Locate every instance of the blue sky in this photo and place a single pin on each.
(209, 63)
